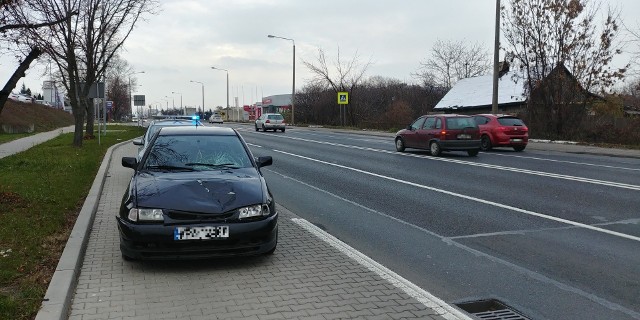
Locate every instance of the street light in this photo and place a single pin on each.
(293, 90)
(227, 71)
(131, 104)
(173, 102)
(202, 92)
(185, 112)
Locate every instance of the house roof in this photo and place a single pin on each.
(477, 92)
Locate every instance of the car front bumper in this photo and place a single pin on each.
(155, 241)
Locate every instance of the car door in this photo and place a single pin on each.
(410, 135)
(427, 132)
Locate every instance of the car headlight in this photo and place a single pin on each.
(136, 214)
(254, 211)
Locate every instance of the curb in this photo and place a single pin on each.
(57, 299)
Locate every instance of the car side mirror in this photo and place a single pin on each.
(137, 142)
(264, 161)
(130, 162)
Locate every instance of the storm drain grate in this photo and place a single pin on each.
(491, 310)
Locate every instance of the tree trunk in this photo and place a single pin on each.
(89, 105)
(19, 73)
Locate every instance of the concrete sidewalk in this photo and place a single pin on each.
(23, 144)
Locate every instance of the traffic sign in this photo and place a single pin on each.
(109, 105)
(138, 100)
(343, 97)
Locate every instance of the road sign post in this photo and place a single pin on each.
(343, 99)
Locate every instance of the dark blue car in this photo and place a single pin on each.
(197, 192)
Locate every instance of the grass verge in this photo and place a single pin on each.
(41, 193)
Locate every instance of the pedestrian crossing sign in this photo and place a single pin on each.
(343, 97)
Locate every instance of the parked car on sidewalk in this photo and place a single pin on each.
(442, 132)
(270, 121)
(502, 130)
(197, 192)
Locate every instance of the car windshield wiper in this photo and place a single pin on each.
(169, 168)
(213, 165)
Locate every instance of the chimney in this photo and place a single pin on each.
(503, 68)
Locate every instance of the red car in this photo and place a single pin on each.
(502, 130)
(441, 132)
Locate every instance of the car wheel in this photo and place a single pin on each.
(485, 143)
(257, 128)
(473, 153)
(282, 129)
(399, 145)
(434, 147)
(519, 148)
(127, 258)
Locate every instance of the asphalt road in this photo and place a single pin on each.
(553, 235)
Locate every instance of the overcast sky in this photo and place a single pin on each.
(187, 37)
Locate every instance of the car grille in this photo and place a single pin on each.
(195, 216)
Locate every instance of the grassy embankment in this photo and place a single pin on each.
(41, 193)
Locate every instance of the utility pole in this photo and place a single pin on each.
(496, 62)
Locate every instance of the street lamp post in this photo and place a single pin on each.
(202, 92)
(173, 102)
(130, 103)
(227, 71)
(293, 90)
(184, 111)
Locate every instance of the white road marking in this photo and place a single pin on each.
(458, 195)
(564, 161)
(254, 145)
(451, 241)
(427, 299)
(484, 165)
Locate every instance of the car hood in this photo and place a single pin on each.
(202, 191)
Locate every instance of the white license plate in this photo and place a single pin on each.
(200, 233)
(516, 140)
(464, 136)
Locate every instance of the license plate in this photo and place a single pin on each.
(464, 136)
(200, 233)
(516, 140)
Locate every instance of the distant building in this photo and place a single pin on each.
(276, 103)
(474, 95)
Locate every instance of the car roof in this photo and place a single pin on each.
(496, 115)
(173, 122)
(197, 130)
(447, 115)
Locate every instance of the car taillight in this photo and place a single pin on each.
(267, 121)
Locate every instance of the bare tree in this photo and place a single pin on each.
(83, 47)
(12, 28)
(451, 61)
(343, 76)
(548, 35)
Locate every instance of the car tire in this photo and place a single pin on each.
(434, 148)
(257, 128)
(127, 258)
(473, 153)
(400, 145)
(485, 143)
(519, 148)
